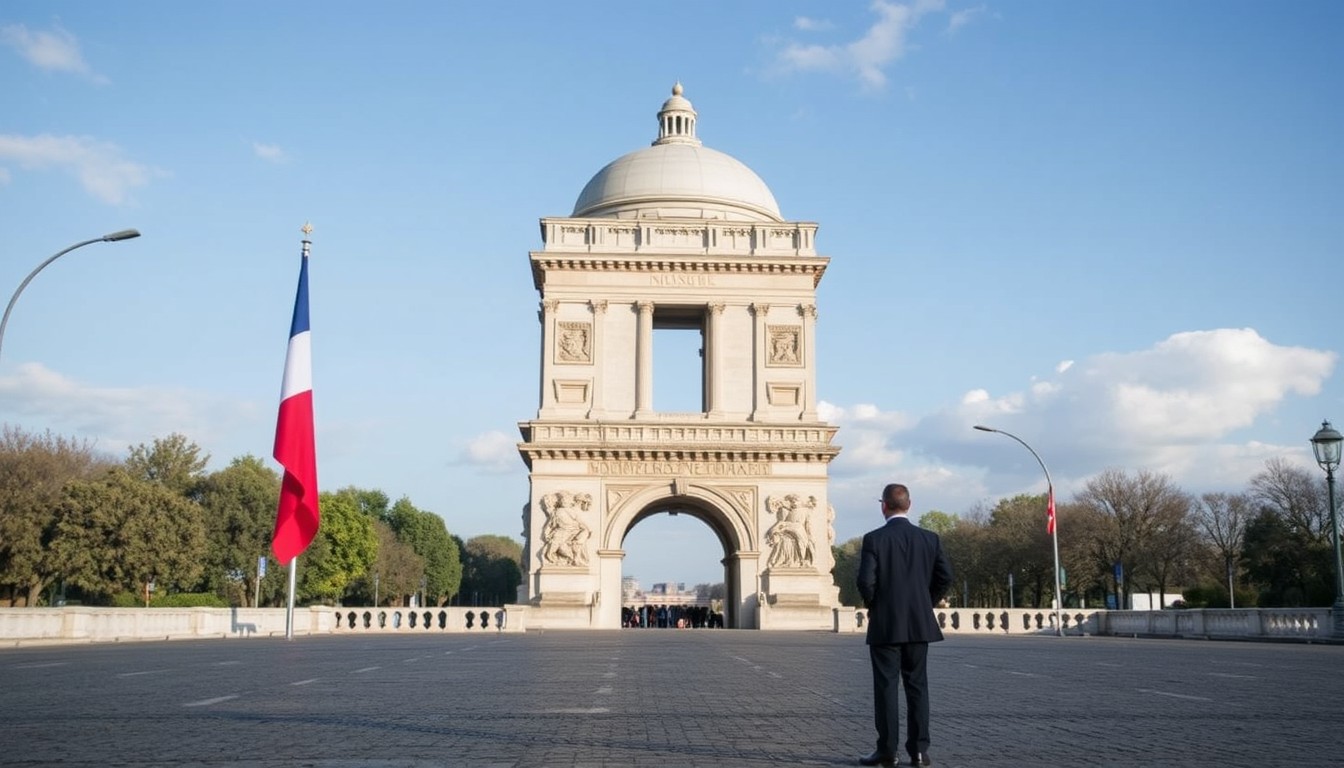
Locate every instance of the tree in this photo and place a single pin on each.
(174, 462)
(239, 503)
(846, 570)
(1295, 494)
(1023, 548)
(1222, 519)
(1274, 561)
(1133, 511)
(491, 570)
(940, 523)
(34, 470)
(345, 548)
(1298, 498)
(118, 533)
(428, 536)
(398, 569)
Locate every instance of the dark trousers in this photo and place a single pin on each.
(894, 666)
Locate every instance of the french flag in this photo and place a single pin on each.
(296, 520)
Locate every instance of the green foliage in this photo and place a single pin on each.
(343, 551)
(399, 570)
(175, 600)
(491, 570)
(940, 523)
(428, 536)
(117, 532)
(34, 470)
(172, 461)
(239, 504)
(846, 571)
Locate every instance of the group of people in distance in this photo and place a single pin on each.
(671, 617)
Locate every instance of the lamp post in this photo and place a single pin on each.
(1053, 523)
(1327, 443)
(125, 234)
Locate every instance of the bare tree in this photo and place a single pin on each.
(1222, 519)
(1135, 511)
(1297, 495)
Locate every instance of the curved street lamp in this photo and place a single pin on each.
(1327, 444)
(125, 234)
(1051, 517)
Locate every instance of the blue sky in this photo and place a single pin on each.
(1114, 229)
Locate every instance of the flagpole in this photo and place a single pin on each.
(297, 517)
(289, 602)
(1053, 521)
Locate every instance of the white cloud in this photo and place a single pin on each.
(964, 17)
(101, 167)
(55, 51)
(119, 417)
(493, 452)
(806, 24)
(883, 42)
(271, 153)
(1171, 408)
(1063, 366)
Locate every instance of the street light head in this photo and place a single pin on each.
(125, 234)
(983, 428)
(1326, 443)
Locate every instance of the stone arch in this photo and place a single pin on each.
(727, 511)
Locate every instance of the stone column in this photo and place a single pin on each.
(608, 603)
(715, 365)
(760, 353)
(597, 410)
(547, 317)
(644, 361)
(809, 314)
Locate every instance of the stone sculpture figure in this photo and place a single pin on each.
(790, 538)
(565, 536)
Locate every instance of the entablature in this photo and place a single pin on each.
(791, 238)
(663, 263)
(603, 441)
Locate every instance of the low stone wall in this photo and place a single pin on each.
(990, 621)
(80, 624)
(1302, 624)
(1298, 624)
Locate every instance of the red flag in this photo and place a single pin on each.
(1050, 513)
(296, 519)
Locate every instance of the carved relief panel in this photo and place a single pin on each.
(565, 535)
(790, 540)
(573, 342)
(785, 346)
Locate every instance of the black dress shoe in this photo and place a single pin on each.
(921, 759)
(877, 758)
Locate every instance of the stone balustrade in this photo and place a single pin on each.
(74, 624)
(1301, 624)
(1307, 624)
(997, 621)
(82, 624)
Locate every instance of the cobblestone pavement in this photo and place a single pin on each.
(661, 698)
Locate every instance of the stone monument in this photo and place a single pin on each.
(678, 236)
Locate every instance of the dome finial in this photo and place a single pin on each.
(676, 120)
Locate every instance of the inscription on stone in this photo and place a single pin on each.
(694, 281)
(729, 468)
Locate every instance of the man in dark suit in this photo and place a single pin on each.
(902, 575)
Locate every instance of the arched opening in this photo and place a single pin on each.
(720, 531)
(674, 567)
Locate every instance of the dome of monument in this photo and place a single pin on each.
(677, 177)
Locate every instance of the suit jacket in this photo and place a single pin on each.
(902, 574)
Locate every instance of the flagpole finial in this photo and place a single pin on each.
(306, 229)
